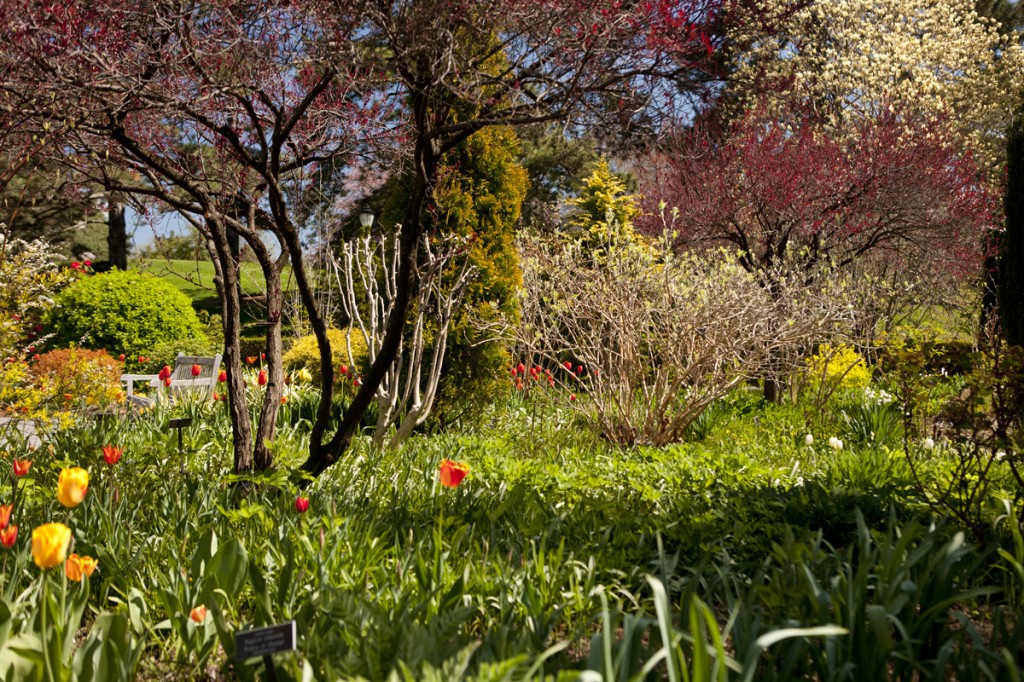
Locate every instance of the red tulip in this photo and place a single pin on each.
(222, 376)
(21, 466)
(519, 385)
(579, 369)
(216, 396)
(301, 504)
(261, 378)
(263, 356)
(452, 473)
(121, 357)
(5, 514)
(520, 368)
(572, 397)
(164, 374)
(167, 382)
(567, 365)
(8, 536)
(344, 370)
(196, 370)
(358, 381)
(112, 455)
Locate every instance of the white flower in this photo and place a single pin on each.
(1001, 454)
(835, 443)
(808, 440)
(928, 444)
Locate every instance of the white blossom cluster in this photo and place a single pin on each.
(935, 58)
(877, 397)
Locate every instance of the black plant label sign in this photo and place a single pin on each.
(265, 641)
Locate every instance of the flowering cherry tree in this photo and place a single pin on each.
(852, 59)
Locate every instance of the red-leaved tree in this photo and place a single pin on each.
(793, 190)
(793, 195)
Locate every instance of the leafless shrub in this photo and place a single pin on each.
(659, 335)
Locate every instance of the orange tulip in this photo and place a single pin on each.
(111, 454)
(5, 514)
(8, 536)
(452, 473)
(251, 359)
(21, 466)
(77, 566)
(198, 614)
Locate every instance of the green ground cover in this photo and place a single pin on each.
(557, 555)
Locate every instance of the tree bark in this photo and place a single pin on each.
(323, 455)
(226, 281)
(117, 236)
(263, 456)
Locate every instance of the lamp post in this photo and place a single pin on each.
(366, 217)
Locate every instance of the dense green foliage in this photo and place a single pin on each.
(123, 312)
(558, 554)
(1011, 257)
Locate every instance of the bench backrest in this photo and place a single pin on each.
(182, 378)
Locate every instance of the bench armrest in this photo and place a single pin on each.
(130, 379)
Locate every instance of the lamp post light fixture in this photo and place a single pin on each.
(366, 217)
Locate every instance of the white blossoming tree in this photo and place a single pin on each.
(856, 58)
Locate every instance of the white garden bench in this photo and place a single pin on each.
(182, 381)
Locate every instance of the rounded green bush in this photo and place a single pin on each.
(123, 312)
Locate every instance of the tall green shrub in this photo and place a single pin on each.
(123, 312)
(1011, 252)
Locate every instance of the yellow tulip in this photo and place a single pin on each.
(77, 566)
(72, 486)
(50, 544)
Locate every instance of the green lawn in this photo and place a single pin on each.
(195, 278)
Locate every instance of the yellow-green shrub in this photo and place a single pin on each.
(840, 367)
(305, 354)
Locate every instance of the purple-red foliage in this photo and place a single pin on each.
(782, 187)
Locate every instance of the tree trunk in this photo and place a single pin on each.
(226, 280)
(321, 456)
(772, 390)
(263, 457)
(117, 236)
